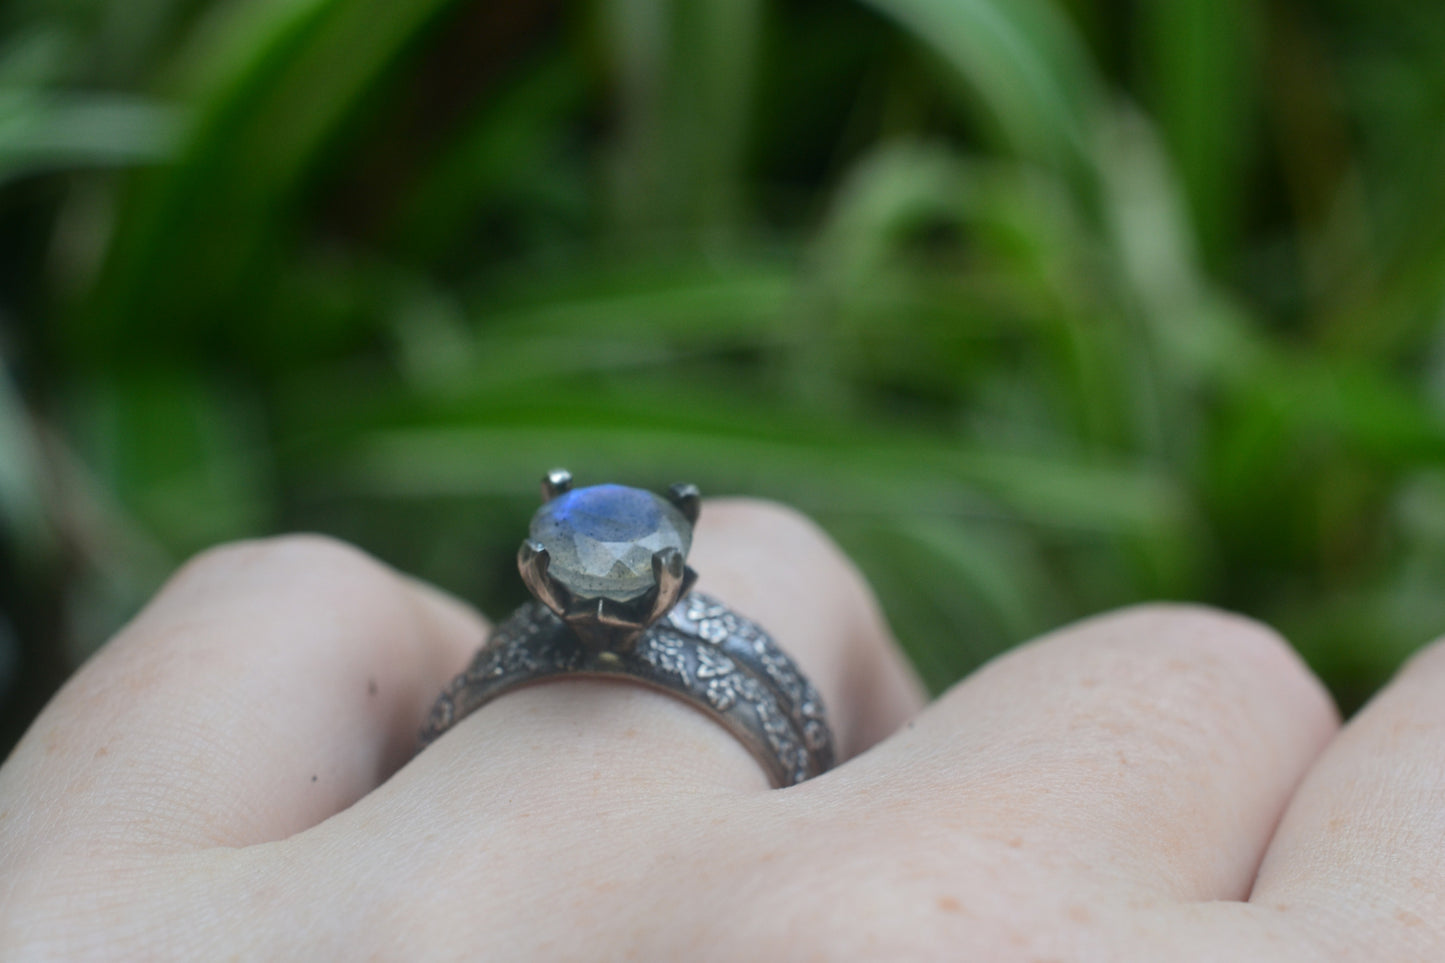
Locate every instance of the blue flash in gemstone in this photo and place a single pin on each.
(601, 539)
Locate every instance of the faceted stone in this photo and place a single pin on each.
(601, 539)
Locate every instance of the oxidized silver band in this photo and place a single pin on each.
(606, 566)
(702, 651)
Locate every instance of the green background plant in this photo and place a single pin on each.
(1040, 306)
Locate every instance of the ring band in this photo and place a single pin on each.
(734, 672)
(688, 645)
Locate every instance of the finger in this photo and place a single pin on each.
(1359, 851)
(268, 685)
(1154, 748)
(778, 568)
(768, 564)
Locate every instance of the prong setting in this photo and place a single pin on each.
(533, 562)
(687, 499)
(609, 608)
(674, 578)
(556, 482)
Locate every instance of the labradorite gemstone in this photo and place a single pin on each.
(601, 539)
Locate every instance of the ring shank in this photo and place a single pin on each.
(702, 653)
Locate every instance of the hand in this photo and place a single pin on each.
(231, 777)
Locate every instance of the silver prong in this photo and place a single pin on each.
(532, 562)
(556, 482)
(614, 616)
(605, 625)
(688, 500)
(672, 581)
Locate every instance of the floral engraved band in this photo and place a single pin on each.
(613, 600)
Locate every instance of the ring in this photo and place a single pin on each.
(606, 567)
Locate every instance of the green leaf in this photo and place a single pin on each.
(42, 132)
(486, 443)
(684, 73)
(35, 57)
(1023, 62)
(177, 454)
(504, 154)
(1200, 60)
(278, 87)
(24, 512)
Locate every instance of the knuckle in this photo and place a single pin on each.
(1220, 656)
(303, 552)
(1428, 659)
(313, 552)
(315, 563)
(787, 537)
(789, 549)
(1212, 633)
(786, 521)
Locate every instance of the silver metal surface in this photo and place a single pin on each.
(688, 500)
(702, 652)
(688, 645)
(556, 482)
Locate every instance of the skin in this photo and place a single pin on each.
(231, 777)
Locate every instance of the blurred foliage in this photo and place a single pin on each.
(1040, 306)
